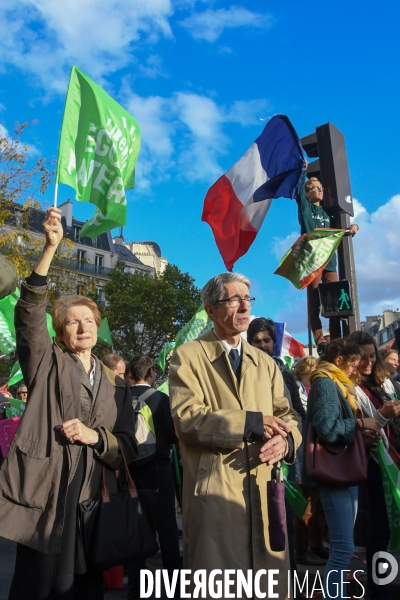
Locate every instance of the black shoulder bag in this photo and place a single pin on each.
(114, 528)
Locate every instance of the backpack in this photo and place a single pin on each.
(145, 432)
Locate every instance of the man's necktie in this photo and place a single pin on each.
(234, 357)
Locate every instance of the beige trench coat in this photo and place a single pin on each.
(225, 520)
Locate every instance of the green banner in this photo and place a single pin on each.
(16, 408)
(7, 329)
(167, 349)
(391, 487)
(199, 324)
(104, 333)
(99, 145)
(308, 256)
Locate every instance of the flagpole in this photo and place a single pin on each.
(59, 145)
(55, 194)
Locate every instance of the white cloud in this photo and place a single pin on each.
(210, 24)
(44, 38)
(185, 133)
(377, 255)
(281, 245)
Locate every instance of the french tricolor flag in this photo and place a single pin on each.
(236, 205)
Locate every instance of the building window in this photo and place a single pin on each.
(77, 233)
(94, 242)
(81, 256)
(79, 290)
(99, 263)
(100, 296)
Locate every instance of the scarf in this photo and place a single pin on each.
(343, 383)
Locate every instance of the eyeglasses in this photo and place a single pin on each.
(319, 188)
(237, 301)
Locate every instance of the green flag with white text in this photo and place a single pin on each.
(308, 256)
(99, 146)
(391, 488)
(7, 329)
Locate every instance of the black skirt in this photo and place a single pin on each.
(61, 576)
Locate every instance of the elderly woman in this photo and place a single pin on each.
(77, 411)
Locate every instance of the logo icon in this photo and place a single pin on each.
(348, 199)
(384, 568)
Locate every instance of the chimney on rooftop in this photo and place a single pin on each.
(66, 212)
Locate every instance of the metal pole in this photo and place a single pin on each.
(309, 340)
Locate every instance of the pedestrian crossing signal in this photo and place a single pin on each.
(335, 298)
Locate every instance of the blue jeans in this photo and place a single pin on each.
(340, 507)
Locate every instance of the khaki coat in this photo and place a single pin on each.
(225, 515)
(35, 474)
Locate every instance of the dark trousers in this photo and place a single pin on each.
(310, 529)
(313, 306)
(379, 533)
(159, 478)
(34, 579)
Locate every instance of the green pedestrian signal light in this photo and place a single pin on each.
(335, 298)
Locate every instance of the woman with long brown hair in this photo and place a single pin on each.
(373, 400)
(333, 412)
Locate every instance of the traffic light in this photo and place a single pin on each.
(335, 298)
(328, 145)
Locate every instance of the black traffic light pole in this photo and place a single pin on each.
(328, 145)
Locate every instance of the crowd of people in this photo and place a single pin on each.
(236, 413)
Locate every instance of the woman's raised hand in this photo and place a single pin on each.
(52, 226)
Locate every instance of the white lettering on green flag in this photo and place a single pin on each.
(391, 487)
(99, 146)
(309, 254)
(198, 325)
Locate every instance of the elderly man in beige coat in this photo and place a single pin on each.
(233, 422)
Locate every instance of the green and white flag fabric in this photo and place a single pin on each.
(16, 408)
(167, 349)
(308, 256)
(99, 145)
(199, 324)
(15, 375)
(7, 329)
(391, 487)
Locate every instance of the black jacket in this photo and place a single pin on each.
(163, 424)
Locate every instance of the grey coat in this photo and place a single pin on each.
(34, 476)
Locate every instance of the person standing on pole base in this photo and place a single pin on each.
(312, 215)
(234, 423)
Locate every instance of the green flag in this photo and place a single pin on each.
(164, 387)
(16, 408)
(166, 350)
(391, 487)
(308, 256)
(15, 375)
(7, 329)
(199, 324)
(99, 145)
(104, 333)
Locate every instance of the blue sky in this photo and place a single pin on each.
(201, 78)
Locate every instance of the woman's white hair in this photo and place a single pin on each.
(214, 289)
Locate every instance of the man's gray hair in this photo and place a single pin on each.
(214, 289)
